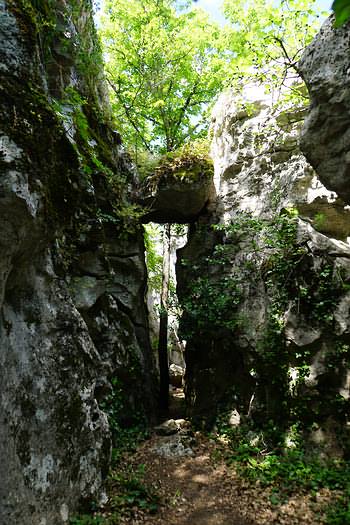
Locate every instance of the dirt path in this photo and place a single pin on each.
(194, 490)
(200, 489)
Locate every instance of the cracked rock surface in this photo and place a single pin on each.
(71, 284)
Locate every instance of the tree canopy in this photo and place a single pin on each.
(269, 38)
(164, 66)
(166, 62)
(341, 9)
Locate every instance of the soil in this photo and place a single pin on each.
(203, 490)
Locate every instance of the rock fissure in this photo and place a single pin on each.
(263, 280)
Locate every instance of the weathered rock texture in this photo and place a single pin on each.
(265, 292)
(72, 273)
(179, 191)
(326, 135)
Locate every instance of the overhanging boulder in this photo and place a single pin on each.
(179, 191)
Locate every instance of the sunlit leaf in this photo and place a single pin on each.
(341, 9)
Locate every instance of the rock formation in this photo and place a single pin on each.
(179, 191)
(264, 280)
(326, 136)
(72, 273)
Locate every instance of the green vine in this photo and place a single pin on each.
(251, 252)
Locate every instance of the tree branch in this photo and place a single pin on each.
(129, 117)
(290, 61)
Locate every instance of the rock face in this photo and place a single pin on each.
(265, 293)
(326, 136)
(179, 191)
(72, 274)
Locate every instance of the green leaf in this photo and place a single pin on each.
(167, 64)
(341, 9)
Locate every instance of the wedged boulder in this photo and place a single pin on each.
(179, 191)
(325, 138)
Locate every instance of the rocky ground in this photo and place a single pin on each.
(185, 480)
(202, 490)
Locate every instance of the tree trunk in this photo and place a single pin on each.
(163, 324)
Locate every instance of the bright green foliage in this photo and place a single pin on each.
(295, 471)
(341, 9)
(154, 260)
(166, 62)
(267, 39)
(164, 65)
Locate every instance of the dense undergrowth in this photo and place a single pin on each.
(289, 471)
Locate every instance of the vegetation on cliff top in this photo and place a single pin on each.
(166, 62)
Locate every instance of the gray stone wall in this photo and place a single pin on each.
(72, 273)
(264, 281)
(326, 138)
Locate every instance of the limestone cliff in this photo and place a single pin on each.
(264, 280)
(72, 275)
(326, 137)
